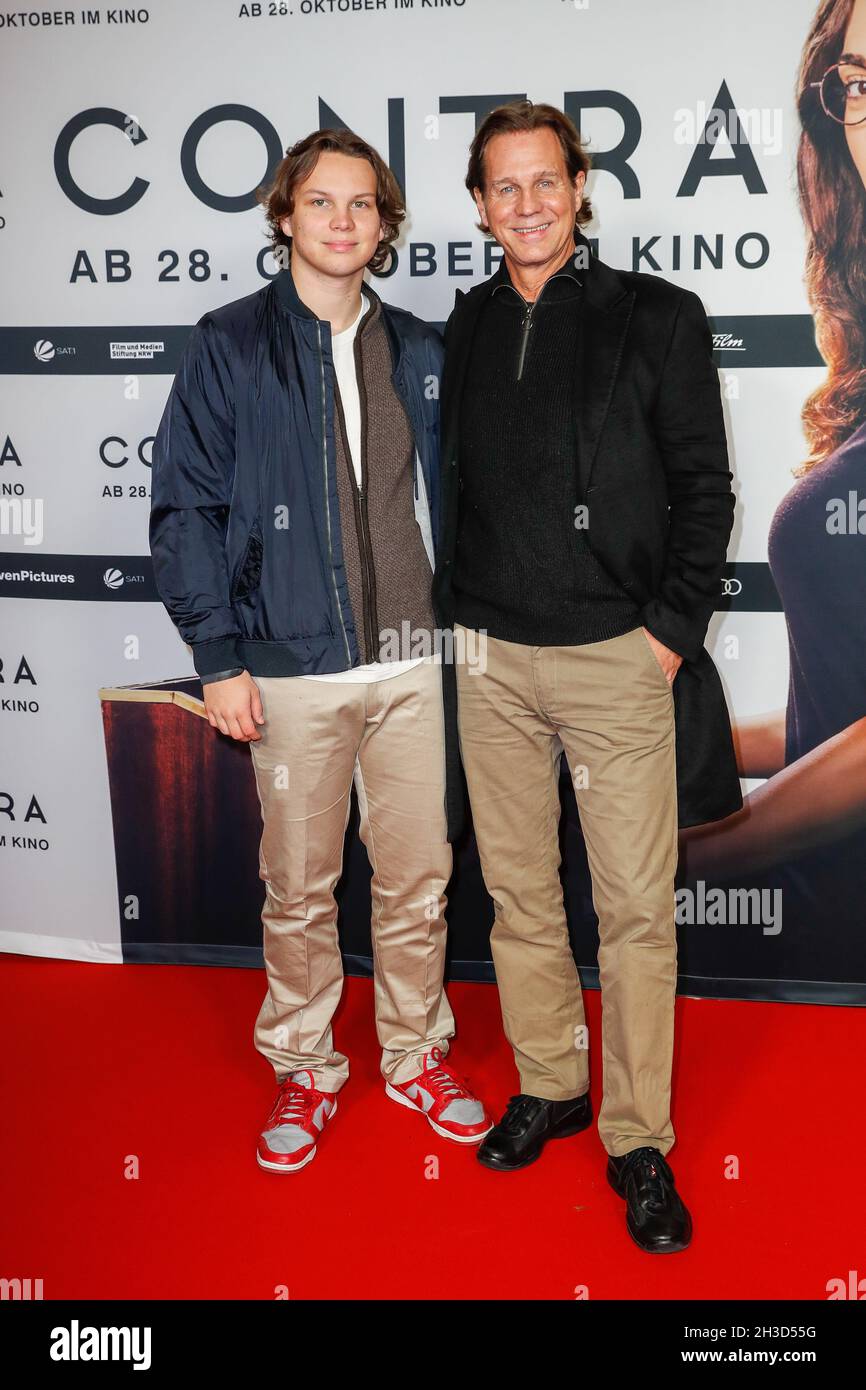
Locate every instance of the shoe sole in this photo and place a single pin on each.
(497, 1167)
(295, 1167)
(669, 1248)
(446, 1133)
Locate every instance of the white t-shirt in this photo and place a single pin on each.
(343, 348)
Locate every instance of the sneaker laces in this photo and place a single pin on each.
(295, 1105)
(653, 1176)
(443, 1083)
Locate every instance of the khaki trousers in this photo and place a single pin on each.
(609, 707)
(318, 738)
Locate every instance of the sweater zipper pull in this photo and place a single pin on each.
(526, 325)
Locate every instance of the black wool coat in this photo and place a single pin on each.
(652, 468)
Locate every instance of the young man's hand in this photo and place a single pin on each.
(233, 705)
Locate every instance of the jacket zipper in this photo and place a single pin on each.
(327, 503)
(359, 509)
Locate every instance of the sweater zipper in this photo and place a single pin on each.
(362, 531)
(327, 503)
(368, 573)
(526, 323)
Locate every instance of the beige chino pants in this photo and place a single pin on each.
(318, 738)
(609, 707)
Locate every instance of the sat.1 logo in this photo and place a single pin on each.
(113, 578)
(45, 351)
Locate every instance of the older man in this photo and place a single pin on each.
(586, 509)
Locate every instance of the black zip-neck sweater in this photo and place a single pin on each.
(523, 570)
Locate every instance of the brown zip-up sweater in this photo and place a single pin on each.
(387, 568)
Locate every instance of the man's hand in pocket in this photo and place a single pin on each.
(669, 661)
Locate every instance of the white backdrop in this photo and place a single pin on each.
(409, 78)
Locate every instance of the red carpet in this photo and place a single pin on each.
(104, 1062)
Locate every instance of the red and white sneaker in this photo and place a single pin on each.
(298, 1116)
(447, 1102)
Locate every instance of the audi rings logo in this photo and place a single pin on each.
(43, 350)
(732, 587)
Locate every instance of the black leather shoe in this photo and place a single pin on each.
(527, 1125)
(656, 1218)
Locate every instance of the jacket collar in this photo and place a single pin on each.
(288, 298)
(603, 285)
(287, 295)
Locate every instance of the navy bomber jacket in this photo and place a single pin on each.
(245, 520)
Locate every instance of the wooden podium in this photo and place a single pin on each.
(187, 825)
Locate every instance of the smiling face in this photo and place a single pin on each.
(335, 226)
(855, 42)
(529, 203)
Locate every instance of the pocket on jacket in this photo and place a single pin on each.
(250, 569)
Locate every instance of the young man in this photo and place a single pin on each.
(293, 533)
(586, 510)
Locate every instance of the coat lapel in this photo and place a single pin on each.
(456, 357)
(607, 310)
